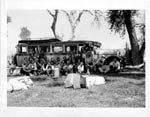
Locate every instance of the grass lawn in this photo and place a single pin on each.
(117, 92)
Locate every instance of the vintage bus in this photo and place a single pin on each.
(54, 48)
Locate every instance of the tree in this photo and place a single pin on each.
(121, 21)
(74, 18)
(97, 17)
(25, 33)
(8, 19)
(54, 15)
(142, 40)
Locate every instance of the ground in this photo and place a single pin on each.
(119, 91)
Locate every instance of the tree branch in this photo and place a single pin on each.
(50, 13)
(68, 15)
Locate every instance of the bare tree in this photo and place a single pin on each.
(74, 18)
(97, 14)
(54, 16)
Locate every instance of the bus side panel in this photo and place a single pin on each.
(50, 56)
(20, 59)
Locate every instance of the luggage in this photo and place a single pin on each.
(72, 80)
(56, 72)
(76, 81)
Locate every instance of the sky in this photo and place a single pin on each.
(39, 23)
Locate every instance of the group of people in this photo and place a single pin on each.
(38, 64)
(66, 66)
(47, 67)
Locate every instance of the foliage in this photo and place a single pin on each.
(25, 33)
(122, 21)
(97, 17)
(116, 20)
(8, 19)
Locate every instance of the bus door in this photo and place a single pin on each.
(22, 53)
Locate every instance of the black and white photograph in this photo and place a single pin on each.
(76, 58)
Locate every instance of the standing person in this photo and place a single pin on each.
(74, 65)
(69, 67)
(42, 55)
(63, 68)
(36, 54)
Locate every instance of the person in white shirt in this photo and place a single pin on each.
(81, 68)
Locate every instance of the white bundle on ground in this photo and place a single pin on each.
(94, 80)
(77, 81)
(72, 80)
(19, 83)
(16, 86)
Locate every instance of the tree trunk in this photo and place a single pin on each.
(53, 27)
(142, 50)
(73, 32)
(132, 37)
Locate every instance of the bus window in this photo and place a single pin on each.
(45, 48)
(24, 50)
(32, 49)
(71, 49)
(80, 47)
(21, 49)
(68, 49)
(57, 49)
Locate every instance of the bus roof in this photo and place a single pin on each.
(57, 41)
(79, 42)
(39, 41)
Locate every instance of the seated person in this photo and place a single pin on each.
(50, 69)
(66, 68)
(69, 67)
(63, 68)
(44, 68)
(114, 66)
(27, 68)
(81, 68)
(99, 68)
(11, 66)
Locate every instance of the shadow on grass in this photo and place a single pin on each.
(51, 83)
(131, 76)
(141, 83)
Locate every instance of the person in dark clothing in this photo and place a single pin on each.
(114, 66)
(99, 67)
(27, 67)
